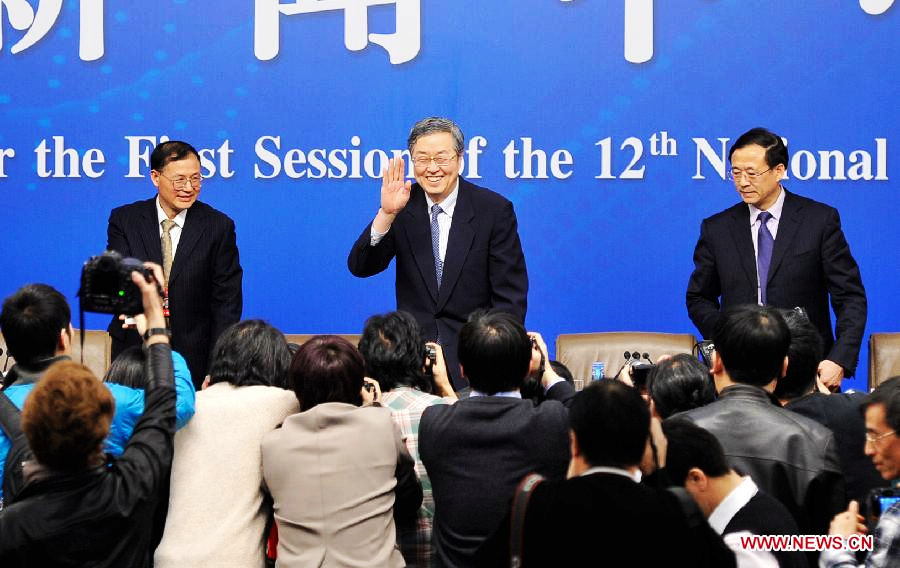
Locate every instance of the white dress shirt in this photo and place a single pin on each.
(727, 509)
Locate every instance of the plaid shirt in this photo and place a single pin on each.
(407, 405)
(885, 551)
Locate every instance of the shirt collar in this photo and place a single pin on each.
(775, 209)
(633, 475)
(730, 505)
(511, 394)
(447, 205)
(161, 215)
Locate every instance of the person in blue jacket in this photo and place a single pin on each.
(36, 325)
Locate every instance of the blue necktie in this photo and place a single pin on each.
(764, 243)
(436, 243)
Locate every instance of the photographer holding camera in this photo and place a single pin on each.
(414, 376)
(882, 413)
(35, 322)
(80, 506)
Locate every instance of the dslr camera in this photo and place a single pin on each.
(106, 285)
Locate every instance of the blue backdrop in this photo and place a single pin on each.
(294, 101)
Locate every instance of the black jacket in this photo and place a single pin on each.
(483, 268)
(100, 516)
(790, 457)
(811, 265)
(205, 286)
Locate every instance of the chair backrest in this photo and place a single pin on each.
(97, 349)
(578, 351)
(301, 338)
(884, 357)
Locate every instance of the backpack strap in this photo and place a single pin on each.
(11, 422)
(517, 518)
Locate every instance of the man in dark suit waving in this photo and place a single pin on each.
(457, 244)
(195, 245)
(779, 249)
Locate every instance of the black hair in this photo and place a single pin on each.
(394, 351)
(776, 151)
(752, 342)
(494, 351)
(327, 368)
(171, 151)
(611, 423)
(887, 394)
(562, 371)
(31, 321)
(680, 383)
(128, 368)
(689, 446)
(804, 354)
(250, 352)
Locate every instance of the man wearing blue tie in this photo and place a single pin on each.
(457, 244)
(779, 249)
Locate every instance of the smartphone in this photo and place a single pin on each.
(597, 368)
(880, 500)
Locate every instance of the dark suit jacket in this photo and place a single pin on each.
(763, 515)
(476, 451)
(840, 414)
(205, 294)
(604, 519)
(483, 267)
(810, 261)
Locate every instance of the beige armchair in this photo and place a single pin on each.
(578, 351)
(884, 357)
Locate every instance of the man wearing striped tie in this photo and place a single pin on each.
(779, 249)
(457, 244)
(196, 246)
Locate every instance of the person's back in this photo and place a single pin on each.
(475, 452)
(478, 449)
(839, 412)
(798, 390)
(604, 519)
(216, 515)
(789, 456)
(338, 473)
(602, 515)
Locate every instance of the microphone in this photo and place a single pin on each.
(647, 357)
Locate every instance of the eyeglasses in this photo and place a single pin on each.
(735, 174)
(181, 182)
(441, 160)
(870, 439)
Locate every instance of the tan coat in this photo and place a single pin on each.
(332, 471)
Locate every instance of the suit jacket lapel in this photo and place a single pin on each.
(787, 230)
(418, 232)
(190, 234)
(458, 244)
(743, 242)
(149, 231)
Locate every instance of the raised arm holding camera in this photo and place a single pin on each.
(78, 505)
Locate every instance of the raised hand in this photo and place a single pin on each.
(394, 187)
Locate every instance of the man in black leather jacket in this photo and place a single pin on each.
(789, 456)
(79, 507)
